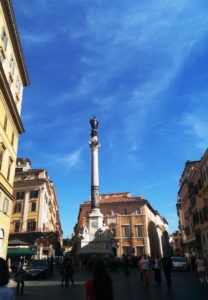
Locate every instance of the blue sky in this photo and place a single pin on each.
(141, 67)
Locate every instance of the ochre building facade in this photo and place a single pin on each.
(192, 207)
(13, 79)
(35, 216)
(137, 228)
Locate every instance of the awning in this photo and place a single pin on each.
(20, 252)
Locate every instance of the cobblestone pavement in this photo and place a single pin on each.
(185, 286)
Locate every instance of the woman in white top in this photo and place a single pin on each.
(145, 267)
(5, 292)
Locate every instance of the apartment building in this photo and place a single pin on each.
(13, 79)
(192, 207)
(137, 228)
(35, 217)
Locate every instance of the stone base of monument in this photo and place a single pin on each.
(96, 237)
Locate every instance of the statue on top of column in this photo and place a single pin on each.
(94, 125)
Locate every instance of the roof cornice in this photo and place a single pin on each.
(14, 35)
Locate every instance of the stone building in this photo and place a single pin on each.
(137, 228)
(176, 243)
(13, 78)
(192, 207)
(35, 216)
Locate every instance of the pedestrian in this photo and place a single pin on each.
(140, 269)
(145, 267)
(157, 268)
(200, 268)
(125, 263)
(52, 264)
(68, 272)
(167, 266)
(100, 287)
(19, 278)
(6, 293)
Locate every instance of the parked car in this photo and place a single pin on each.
(37, 268)
(180, 263)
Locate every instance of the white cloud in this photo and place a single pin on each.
(73, 159)
(37, 39)
(196, 124)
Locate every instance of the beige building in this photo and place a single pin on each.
(13, 78)
(35, 216)
(136, 226)
(192, 206)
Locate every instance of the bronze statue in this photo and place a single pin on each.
(94, 125)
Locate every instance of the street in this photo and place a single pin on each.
(185, 286)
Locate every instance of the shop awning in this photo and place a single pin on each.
(20, 252)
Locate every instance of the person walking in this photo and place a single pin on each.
(19, 278)
(125, 263)
(68, 272)
(200, 268)
(145, 267)
(157, 268)
(52, 264)
(167, 266)
(100, 287)
(139, 264)
(6, 293)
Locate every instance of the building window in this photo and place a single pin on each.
(18, 207)
(4, 38)
(5, 123)
(18, 85)
(33, 206)
(36, 176)
(2, 149)
(9, 168)
(139, 250)
(12, 65)
(125, 211)
(12, 139)
(138, 211)
(20, 195)
(34, 194)
(139, 230)
(17, 226)
(127, 250)
(5, 206)
(126, 231)
(31, 226)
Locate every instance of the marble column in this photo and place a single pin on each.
(94, 145)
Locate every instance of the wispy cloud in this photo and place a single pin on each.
(72, 159)
(43, 38)
(196, 124)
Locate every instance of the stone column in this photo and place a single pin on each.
(94, 144)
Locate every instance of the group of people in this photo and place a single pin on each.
(145, 264)
(100, 287)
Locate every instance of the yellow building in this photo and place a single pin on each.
(13, 77)
(136, 226)
(35, 216)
